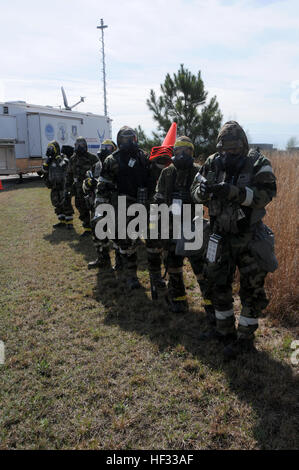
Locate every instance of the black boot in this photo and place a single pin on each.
(102, 261)
(86, 233)
(59, 225)
(178, 306)
(158, 280)
(213, 334)
(237, 347)
(210, 312)
(133, 282)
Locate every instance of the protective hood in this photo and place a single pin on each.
(127, 139)
(232, 135)
(110, 142)
(55, 145)
(81, 145)
(67, 150)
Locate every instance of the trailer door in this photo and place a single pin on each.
(34, 137)
(7, 158)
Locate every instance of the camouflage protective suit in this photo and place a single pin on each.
(239, 188)
(54, 175)
(124, 173)
(79, 163)
(175, 183)
(154, 248)
(89, 189)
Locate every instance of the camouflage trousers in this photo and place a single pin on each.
(235, 253)
(82, 208)
(176, 286)
(63, 207)
(100, 245)
(127, 249)
(154, 250)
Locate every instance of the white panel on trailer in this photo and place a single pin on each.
(8, 127)
(33, 122)
(96, 130)
(64, 129)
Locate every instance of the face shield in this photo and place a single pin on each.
(231, 155)
(106, 149)
(183, 157)
(127, 142)
(162, 161)
(80, 147)
(51, 151)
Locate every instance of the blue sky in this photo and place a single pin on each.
(247, 52)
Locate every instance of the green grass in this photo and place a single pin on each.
(91, 366)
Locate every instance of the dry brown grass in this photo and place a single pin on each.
(282, 218)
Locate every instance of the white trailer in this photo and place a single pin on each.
(26, 130)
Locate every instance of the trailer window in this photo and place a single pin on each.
(5, 109)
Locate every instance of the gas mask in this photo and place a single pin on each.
(160, 166)
(127, 140)
(162, 162)
(182, 158)
(51, 152)
(80, 148)
(104, 152)
(231, 157)
(127, 143)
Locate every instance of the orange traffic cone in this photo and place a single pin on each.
(170, 136)
(1, 187)
(166, 147)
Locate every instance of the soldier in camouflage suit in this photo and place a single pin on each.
(89, 188)
(79, 163)
(236, 187)
(174, 184)
(54, 175)
(159, 159)
(125, 173)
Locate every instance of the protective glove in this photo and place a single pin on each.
(220, 190)
(203, 189)
(228, 191)
(89, 184)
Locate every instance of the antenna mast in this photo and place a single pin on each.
(102, 27)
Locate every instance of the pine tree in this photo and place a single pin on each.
(147, 143)
(184, 100)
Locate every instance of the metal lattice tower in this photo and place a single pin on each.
(102, 27)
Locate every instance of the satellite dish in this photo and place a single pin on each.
(66, 105)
